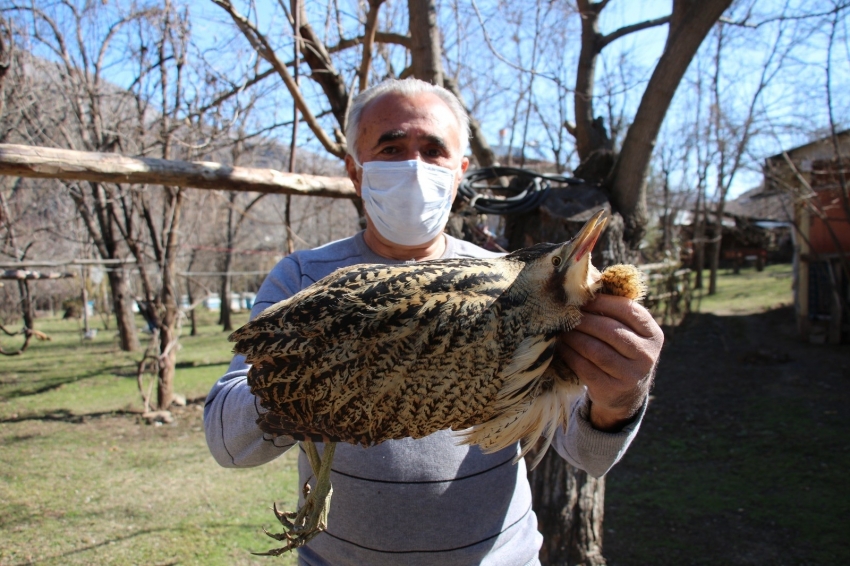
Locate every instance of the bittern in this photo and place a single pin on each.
(378, 352)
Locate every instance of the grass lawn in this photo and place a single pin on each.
(746, 292)
(84, 481)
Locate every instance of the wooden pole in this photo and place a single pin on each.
(49, 163)
(29, 275)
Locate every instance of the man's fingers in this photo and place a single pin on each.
(602, 385)
(607, 331)
(599, 359)
(625, 311)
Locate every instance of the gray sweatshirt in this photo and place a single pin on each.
(414, 502)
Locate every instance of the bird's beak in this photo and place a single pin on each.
(584, 241)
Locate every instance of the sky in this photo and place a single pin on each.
(790, 109)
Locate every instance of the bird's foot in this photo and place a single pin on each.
(300, 527)
(312, 517)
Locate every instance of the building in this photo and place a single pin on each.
(816, 177)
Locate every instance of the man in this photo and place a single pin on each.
(431, 501)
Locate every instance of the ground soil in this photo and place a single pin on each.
(742, 454)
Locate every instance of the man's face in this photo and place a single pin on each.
(396, 127)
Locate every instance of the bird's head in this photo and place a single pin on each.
(564, 271)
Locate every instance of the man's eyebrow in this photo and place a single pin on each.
(390, 136)
(393, 135)
(437, 140)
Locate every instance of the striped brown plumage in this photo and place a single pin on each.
(373, 352)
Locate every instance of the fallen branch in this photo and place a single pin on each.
(28, 334)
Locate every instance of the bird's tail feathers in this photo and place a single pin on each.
(526, 423)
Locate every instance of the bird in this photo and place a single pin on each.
(378, 352)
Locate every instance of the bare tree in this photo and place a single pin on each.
(89, 116)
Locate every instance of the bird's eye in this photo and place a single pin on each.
(556, 261)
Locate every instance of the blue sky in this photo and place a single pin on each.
(791, 109)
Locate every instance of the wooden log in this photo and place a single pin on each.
(50, 163)
(64, 263)
(21, 274)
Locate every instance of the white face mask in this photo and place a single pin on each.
(408, 201)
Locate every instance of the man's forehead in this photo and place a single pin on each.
(394, 134)
(401, 107)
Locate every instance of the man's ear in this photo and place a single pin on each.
(464, 165)
(355, 173)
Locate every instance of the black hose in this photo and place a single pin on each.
(530, 189)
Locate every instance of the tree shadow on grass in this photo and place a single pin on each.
(131, 536)
(66, 416)
(29, 388)
(742, 454)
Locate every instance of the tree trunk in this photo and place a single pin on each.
(568, 503)
(168, 329)
(27, 307)
(193, 318)
(589, 132)
(570, 506)
(121, 305)
(167, 359)
(226, 290)
(425, 47)
(690, 23)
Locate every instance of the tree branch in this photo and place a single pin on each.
(368, 42)
(265, 50)
(380, 37)
(625, 30)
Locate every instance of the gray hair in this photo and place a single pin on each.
(406, 87)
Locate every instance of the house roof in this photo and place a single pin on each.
(808, 145)
(762, 204)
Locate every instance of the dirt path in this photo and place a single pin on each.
(743, 455)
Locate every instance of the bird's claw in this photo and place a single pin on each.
(299, 527)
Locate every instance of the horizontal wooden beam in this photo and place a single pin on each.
(50, 163)
(54, 263)
(21, 274)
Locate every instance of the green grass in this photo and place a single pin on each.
(747, 291)
(84, 481)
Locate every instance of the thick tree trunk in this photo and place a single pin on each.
(690, 23)
(589, 131)
(569, 506)
(425, 47)
(568, 503)
(122, 305)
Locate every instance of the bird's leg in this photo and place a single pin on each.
(312, 517)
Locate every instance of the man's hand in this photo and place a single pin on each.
(614, 352)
